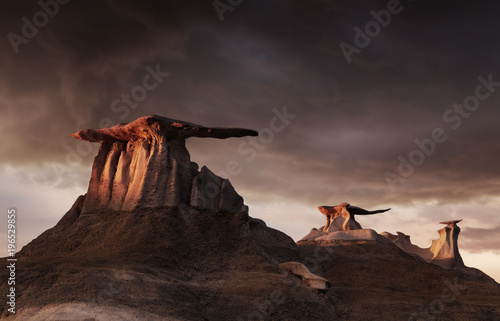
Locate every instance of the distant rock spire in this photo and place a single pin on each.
(445, 249)
(145, 164)
(442, 252)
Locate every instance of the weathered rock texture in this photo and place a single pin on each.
(341, 224)
(156, 239)
(146, 164)
(322, 237)
(312, 280)
(130, 255)
(443, 251)
(341, 217)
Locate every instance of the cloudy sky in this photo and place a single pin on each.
(385, 104)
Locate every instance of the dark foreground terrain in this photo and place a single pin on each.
(155, 265)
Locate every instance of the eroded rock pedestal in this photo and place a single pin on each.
(155, 238)
(341, 225)
(145, 164)
(443, 251)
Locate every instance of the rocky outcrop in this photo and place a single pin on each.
(341, 217)
(145, 164)
(443, 251)
(321, 237)
(155, 238)
(341, 225)
(312, 280)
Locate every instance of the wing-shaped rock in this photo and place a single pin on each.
(341, 217)
(154, 126)
(145, 164)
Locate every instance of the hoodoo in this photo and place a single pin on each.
(443, 251)
(341, 225)
(145, 163)
(341, 217)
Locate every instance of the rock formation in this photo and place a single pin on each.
(443, 251)
(146, 164)
(341, 224)
(341, 217)
(156, 239)
(312, 280)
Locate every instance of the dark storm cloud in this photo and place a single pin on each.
(66, 76)
(353, 120)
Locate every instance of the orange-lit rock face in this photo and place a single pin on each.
(338, 218)
(341, 217)
(342, 225)
(154, 126)
(146, 164)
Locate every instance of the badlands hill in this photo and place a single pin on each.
(157, 238)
